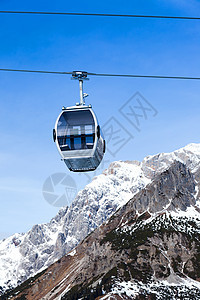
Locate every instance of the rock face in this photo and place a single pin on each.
(24, 255)
(149, 248)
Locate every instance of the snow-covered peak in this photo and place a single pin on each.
(193, 147)
(188, 155)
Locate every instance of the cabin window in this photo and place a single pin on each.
(76, 130)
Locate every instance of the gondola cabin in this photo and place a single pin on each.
(79, 139)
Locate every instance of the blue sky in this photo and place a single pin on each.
(30, 103)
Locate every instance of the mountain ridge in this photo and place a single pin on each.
(23, 256)
(152, 248)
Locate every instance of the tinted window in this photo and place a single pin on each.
(75, 130)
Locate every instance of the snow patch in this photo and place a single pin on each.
(72, 253)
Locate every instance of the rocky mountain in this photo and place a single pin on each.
(24, 255)
(148, 249)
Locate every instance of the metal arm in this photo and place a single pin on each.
(81, 92)
(80, 75)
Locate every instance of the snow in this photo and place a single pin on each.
(198, 203)
(193, 147)
(196, 191)
(132, 289)
(10, 255)
(189, 155)
(72, 253)
(190, 213)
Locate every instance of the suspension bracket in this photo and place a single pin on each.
(80, 75)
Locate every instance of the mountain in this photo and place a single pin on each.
(148, 249)
(24, 255)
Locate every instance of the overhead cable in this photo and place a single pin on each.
(105, 74)
(100, 15)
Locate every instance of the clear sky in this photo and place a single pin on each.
(30, 103)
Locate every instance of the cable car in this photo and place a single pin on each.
(78, 135)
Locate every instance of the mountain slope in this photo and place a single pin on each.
(148, 249)
(24, 255)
